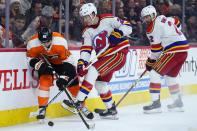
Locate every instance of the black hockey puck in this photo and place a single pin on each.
(50, 123)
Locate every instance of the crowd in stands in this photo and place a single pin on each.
(27, 16)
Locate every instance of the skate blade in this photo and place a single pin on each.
(33, 114)
(111, 117)
(41, 121)
(154, 111)
(177, 109)
(70, 109)
(91, 126)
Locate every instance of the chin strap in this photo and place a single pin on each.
(92, 19)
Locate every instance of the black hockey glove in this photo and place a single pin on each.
(41, 66)
(62, 82)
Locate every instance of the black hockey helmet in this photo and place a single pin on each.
(44, 34)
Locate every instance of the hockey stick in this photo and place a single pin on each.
(131, 88)
(101, 110)
(67, 93)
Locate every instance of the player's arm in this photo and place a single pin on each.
(85, 52)
(35, 62)
(122, 25)
(175, 21)
(154, 36)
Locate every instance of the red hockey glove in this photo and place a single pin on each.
(149, 64)
(80, 67)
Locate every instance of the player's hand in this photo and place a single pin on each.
(149, 64)
(41, 66)
(115, 36)
(80, 68)
(62, 82)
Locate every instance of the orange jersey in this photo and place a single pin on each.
(2, 38)
(57, 53)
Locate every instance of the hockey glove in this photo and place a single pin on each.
(81, 64)
(149, 64)
(115, 36)
(41, 66)
(62, 82)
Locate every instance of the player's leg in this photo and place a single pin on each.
(87, 85)
(111, 64)
(43, 94)
(155, 87)
(173, 85)
(175, 94)
(170, 64)
(160, 68)
(106, 96)
(69, 70)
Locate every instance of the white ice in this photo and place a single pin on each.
(131, 118)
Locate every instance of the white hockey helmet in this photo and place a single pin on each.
(148, 10)
(87, 9)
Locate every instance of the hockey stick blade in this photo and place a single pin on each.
(99, 110)
(72, 111)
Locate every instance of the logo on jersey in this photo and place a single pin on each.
(100, 41)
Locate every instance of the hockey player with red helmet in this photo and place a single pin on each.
(106, 35)
(168, 53)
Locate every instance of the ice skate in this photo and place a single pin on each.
(67, 105)
(154, 107)
(176, 106)
(88, 114)
(110, 113)
(42, 114)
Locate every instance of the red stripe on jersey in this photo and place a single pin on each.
(156, 45)
(86, 47)
(87, 84)
(150, 27)
(176, 21)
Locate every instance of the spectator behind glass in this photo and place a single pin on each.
(25, 5)
(15, 7)
(2, 4)
(142, 28)
(45, 19)
(135, 22)
(175, 10)
(164, 7)
(33, 12)
(142, 4)
(18, 30)
(130, 5)
(192, 29)
(120, 14)
(75, 26)
(104, 8)
(2, 31)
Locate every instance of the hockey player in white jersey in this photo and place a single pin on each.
(168, 53)
(106, 35)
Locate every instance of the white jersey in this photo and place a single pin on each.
(96, 36)
(165, 36)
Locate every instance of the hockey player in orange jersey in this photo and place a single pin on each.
(55, 48)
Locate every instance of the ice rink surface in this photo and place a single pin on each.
(131, 118)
